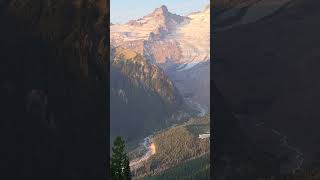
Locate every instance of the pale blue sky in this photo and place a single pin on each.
(121, 11)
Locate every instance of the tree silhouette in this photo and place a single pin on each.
(120, 169)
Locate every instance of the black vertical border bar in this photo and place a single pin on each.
(211, 91)
(108, 93)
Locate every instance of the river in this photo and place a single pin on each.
(149, 148)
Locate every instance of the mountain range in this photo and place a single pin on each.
(160, 77)
(178, 44)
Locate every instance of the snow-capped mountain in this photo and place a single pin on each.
(165, 37)
(193, 37)
(158, 23)
(178, 44)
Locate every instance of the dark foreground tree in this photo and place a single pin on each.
(120, 169)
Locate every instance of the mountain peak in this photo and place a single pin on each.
(161, 10)
(164, 7)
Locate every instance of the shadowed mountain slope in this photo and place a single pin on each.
(143, 98)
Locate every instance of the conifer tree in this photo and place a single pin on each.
(120, 169)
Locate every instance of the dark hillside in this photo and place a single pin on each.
(143, 99)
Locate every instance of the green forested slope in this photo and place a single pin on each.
(196, 169)
(179, 148)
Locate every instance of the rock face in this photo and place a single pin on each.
(175, 43)
(142, 96)
(53, 83)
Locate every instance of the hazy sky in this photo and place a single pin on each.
(124, 10)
